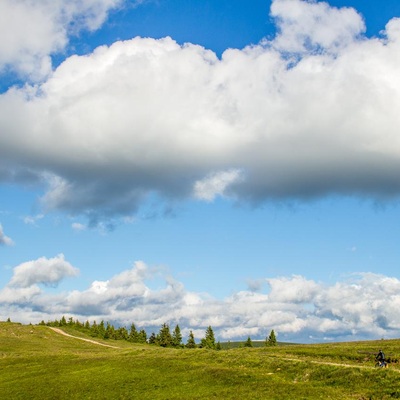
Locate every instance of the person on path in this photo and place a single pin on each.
(380, 357)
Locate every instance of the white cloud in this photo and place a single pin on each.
(32, 219)
(364, 307)
(48, 271)
(392, 30)
(76, 226)
(309, 25)
(216, 184)
(5, 240)
(23, 296)
(31, 31)
(295, 289)
(309, 113)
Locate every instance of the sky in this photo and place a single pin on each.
(215, 162)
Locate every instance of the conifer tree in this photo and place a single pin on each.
(177, 337)
(101, 330)
(248, 342)
(271, 339)
(142, 336)
(208, 341)
(94, 330)
(153, 338)
(191, 344)
(109, 332)
(121, 333)
(78, 324)
(164, 336)
(133, 334)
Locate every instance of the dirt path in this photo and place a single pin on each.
(61, 332)
(336, 364)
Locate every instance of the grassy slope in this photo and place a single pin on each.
(37, 363)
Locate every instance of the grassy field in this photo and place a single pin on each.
(38, 363)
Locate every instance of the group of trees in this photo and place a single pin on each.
(270, 340)
(102, 330)
(164, 338)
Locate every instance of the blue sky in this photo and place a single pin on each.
(202, 162)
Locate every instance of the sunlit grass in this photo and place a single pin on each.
(37, 363)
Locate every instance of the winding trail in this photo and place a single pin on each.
(61, 332)
(337, 364)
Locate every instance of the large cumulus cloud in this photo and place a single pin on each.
(311, 112)
(364, 306)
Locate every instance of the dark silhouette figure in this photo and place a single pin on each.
(380, 358)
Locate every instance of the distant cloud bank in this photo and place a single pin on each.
(365, 306)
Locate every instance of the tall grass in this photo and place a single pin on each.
(37, 363)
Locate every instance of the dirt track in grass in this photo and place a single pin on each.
(337, 364)
(61, 332)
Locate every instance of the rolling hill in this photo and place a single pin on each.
(39, 363)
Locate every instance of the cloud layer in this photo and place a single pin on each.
(366, 306)
(311, 112)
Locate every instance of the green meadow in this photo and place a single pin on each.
(38, 363)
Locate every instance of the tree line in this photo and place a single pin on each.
(164, 338)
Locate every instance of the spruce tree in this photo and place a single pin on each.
(208, 341)
(164, 336)
(101, 330)
(248, 342)
(271, 339)
(191, 344)
(109, 332)
(133, 334)
(121, 333)
(78, 324)
(153, 338)
(94, 330)
(177, 337)
(142, 336)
